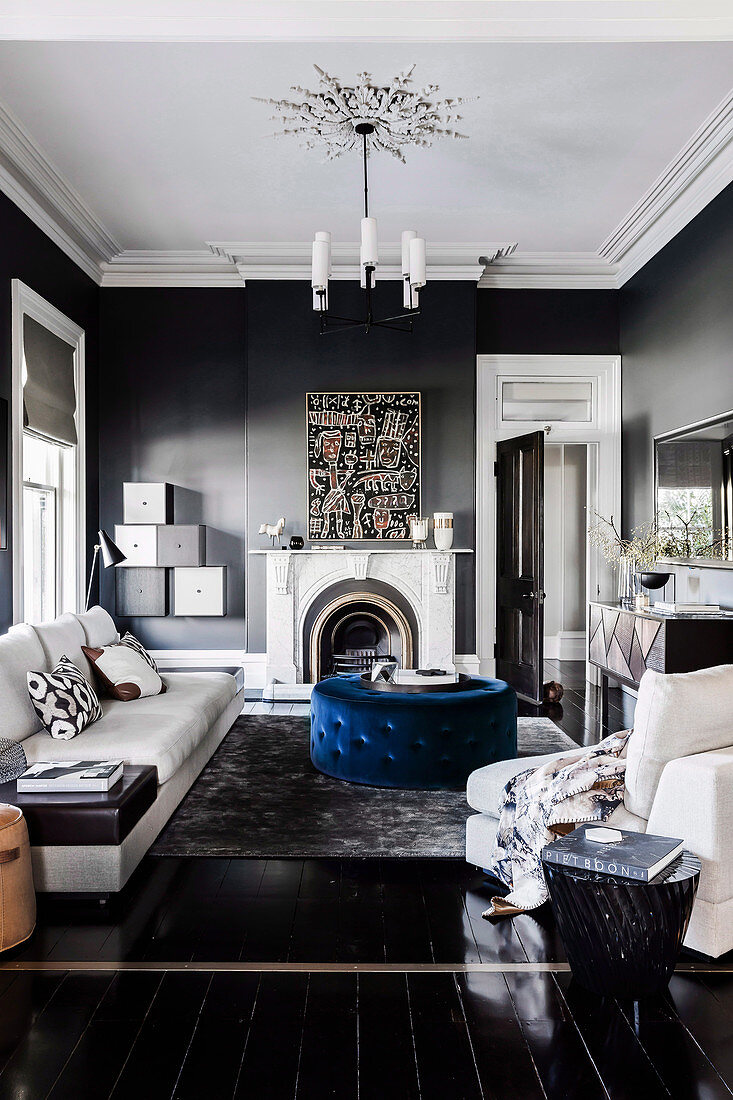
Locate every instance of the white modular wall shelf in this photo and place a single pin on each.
(199, 591)
(139, 543)
(147, 502)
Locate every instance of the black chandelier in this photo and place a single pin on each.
(413, 269)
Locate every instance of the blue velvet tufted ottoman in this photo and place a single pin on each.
(426, 742)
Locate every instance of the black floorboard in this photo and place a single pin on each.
(306, 1033)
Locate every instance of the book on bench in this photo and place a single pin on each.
(638, 856)
(73, 775)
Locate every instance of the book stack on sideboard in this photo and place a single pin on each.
(154, 546)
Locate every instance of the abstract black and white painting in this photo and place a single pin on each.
(363, 465)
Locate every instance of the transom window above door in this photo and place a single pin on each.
(549, 400)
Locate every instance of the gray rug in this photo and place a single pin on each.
(260, 795)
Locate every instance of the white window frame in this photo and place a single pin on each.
(603, 437)
(27, 303)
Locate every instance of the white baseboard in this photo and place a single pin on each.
(169, 657)
(291, 692)
(253, 663)
(487, 667)
(468, 663)
(567, 645)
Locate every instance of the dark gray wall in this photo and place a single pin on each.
(28, 254)
(173, 409)
(547, 322)
(287, 358)
(677, 346)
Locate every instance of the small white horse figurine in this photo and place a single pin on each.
(274, 530)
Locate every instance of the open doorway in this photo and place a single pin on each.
(566, 526)
(575, 402)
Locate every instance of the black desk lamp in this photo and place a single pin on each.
(111, 555)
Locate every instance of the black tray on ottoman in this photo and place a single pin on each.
(86, 817)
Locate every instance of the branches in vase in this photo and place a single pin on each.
(666, 536)
(643, 547)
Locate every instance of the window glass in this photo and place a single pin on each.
(49, 523)
(39, 542)
(547, 401)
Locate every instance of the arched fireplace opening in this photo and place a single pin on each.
(353, 623)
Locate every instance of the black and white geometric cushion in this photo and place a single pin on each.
(64, 700)
(131, 641)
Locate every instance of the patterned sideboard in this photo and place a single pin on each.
(624, 644)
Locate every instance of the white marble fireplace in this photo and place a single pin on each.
(424, 579)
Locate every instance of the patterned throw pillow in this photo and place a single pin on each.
(131, 641)
(64, 700)
(123, 673)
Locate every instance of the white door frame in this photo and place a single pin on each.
(26, 302)
(603, 436)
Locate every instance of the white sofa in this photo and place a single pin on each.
(176, 732)
(679, 782)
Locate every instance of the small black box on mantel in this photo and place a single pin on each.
(141, 591)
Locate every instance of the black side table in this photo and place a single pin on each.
(623, 937)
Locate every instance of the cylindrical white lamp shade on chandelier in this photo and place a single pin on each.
(413, 269)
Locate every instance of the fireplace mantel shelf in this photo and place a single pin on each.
(363, 550)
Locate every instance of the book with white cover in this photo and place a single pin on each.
(73, 775)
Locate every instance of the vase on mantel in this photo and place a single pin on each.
(443, 530)
(626, 581)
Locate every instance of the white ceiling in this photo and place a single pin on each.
(383, 20)
(135, 155)
(166, 146)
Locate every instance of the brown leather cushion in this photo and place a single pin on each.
(122, 690)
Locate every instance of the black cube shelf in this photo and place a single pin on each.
(141, 591)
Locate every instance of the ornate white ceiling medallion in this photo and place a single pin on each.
(401, 116)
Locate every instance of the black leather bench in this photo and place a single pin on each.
(87, 817)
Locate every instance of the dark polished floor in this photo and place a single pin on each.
(579, 713)
(217, 978)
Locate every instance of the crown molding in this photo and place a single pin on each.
(292, 260)
(370, 20)
(150, 267)
(40, 191)
(699, 172)
(233, 263)
(550, 270)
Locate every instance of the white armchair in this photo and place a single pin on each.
(679, 782)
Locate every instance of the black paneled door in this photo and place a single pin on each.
(520, 562)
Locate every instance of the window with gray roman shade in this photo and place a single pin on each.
(688, 464)
(49, 397)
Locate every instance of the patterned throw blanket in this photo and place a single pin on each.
(586, 785)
